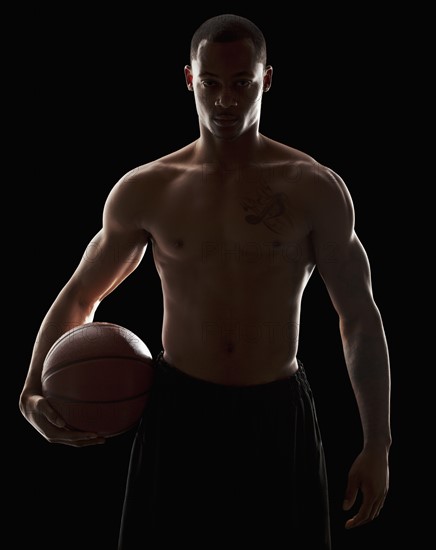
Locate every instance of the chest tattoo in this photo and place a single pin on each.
(268, 208)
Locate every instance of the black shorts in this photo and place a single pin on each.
(214, 464)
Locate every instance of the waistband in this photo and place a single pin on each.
(167, 374)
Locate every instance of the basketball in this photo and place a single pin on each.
(98, 376)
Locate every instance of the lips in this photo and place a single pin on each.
(225, 120)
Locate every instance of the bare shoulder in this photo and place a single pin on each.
(149, 177)
(306, 167)
(134, 197)
(322, 193)
(317, 180)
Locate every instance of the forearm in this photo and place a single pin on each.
(367, 360)
(66, 312)
(108, 260)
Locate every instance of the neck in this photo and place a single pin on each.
(241, 150)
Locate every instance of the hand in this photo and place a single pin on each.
(369, 474)
(38, 412)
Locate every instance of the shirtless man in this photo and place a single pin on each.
(237, 223)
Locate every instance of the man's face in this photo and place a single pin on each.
(228, 84)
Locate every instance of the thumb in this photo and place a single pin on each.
(350, 497)
(51, 414)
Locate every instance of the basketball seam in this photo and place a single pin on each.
(54, 370)
(70, 332)
(81, 401)
(75, 329)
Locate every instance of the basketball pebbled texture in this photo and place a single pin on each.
(98, 377)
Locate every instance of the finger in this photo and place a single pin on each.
(350, 496)
(66, 435)
(81, 442)
(367, 512)
(43, 410)
(75, 438)
(55, 418)
(380, 506)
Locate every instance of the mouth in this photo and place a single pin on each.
(225, 120)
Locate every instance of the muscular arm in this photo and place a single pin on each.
(343, 265)
(109, 258)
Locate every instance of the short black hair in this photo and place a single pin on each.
(228, 28)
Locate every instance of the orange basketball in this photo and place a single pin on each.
(98, 377)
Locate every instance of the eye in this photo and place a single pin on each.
(243, 83)
(208, 83)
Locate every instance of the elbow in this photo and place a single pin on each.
(367, 321)
(80, 301)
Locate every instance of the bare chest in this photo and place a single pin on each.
(232, 216)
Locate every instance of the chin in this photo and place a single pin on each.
(226, 134)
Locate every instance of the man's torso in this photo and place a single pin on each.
(232, 248)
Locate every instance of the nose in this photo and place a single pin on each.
(226, 100)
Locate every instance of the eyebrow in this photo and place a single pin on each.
(241, 73)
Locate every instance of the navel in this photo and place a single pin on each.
(230, 347)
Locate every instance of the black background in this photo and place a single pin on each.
(98, 93)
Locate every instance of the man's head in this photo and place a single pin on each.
(228, 75)
(229, 28)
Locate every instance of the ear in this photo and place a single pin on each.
(267, 78)
(188, 77)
